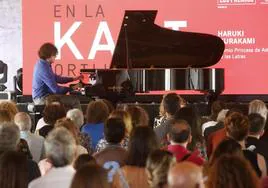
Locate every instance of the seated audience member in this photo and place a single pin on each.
(10, 137)
(125, 116)
(77, 117)
(109, 104)
(113, 156)
(237, 128)
(12, 170)
(219, 125)
(191, 115)
(51, 99)
(35, 142)
(60, 151)
(227, 147)
(83, 160)
(179, 136)
(157, 166)
(216, 107)
(23, 148)
(256, 130)
(232, 172)
(51, 114)
(142, 142)
(216, 137)
(5, 116)
(185, 174)
(139, 116)
(171, 104)
(97, 113)
(259, 107)
(70, 126)
(10, 106)
(90, 176)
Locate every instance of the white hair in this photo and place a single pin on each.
(9, 136)
(76, 116)
(23, 121)
(222, 115)
(60, 147)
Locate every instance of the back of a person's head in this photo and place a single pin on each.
(114, 130)
(90, 176)
(256, 124)
(179, 132)
(157, 166)
(109, 104)
(185, 174)
(70, 126)
(76, 116)
(216, 107)
(52, 99)
(97, 112)
(259, 107)
(10, 136)
(84, 159)
(142, 141)
(53, 112)
(227, 146)
(10, 107)
(139, 116)
(232, 172)
(60, 147)
(5, 116)
(171, 103)
(12, 170)
(125, 116)
(237, 126)
(23, 121)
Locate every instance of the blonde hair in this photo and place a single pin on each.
(259, 107)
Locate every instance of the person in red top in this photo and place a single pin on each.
(179, 136)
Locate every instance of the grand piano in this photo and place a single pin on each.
(148, 57)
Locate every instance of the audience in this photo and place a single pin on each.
(157, 166)
(142, 141)
(185, 174)
(77, 117)
(9, 139)
(5, 116)
(23, 148)
(51, 113)
(97, 113)
(171, 104)
(35, 142)
(237, 128)
(11, 108)
(179, 137)
(232, 172)
(125, 116)
(90, 176)
(139, 116)
(60, 150)
(13, 170)
(113, 156)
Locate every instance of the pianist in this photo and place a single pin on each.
(45, 81)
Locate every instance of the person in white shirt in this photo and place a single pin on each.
(35, 142)
(60, 149)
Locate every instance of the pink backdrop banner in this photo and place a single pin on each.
(86, 32)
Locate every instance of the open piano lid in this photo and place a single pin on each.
(142, 44)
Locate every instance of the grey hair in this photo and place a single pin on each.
(9, 136)
(222, 115)
(259, 107)
(23, 121)
(60, 147)
(76, 116)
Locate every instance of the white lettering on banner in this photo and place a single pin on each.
(175, 25)
(103, 29)
(66, 39)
